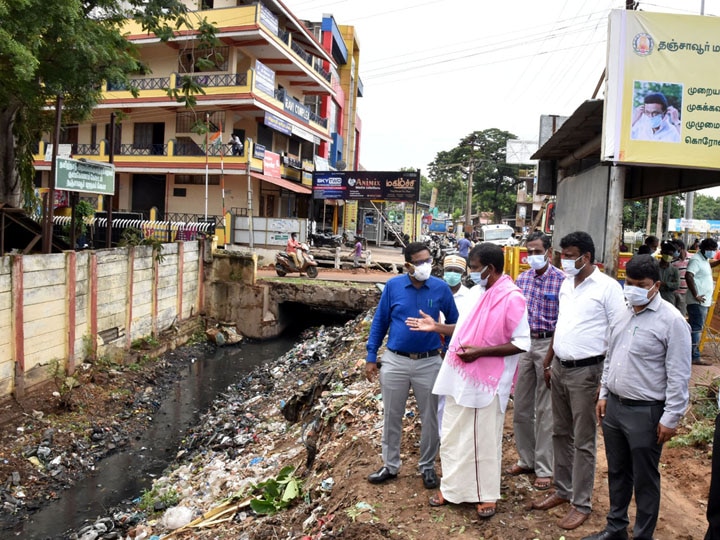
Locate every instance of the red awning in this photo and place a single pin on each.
(287, 184)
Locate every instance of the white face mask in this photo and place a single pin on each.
(422, 272)
(636, 296)
(568, 266)
(478, 279)
(537, 262)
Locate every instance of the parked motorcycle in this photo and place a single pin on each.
(284, 263)
(325, 238)
(439, 248)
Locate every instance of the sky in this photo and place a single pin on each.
(436, 70)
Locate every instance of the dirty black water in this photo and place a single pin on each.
(124, 476)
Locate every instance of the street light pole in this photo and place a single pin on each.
(468, 207)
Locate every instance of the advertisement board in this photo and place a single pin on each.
(367, 185)
(662, 95)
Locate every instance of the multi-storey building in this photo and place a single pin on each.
(270, 82)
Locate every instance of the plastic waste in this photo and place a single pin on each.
(176, 517)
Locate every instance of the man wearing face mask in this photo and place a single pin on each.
(454, 267)
(589, 302)
(698, 277)
(532, 412)
(655, 120)
(643, 396)
(669, 275)
(476, 379)
(411, 359)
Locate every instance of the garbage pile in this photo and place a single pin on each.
(244, 440)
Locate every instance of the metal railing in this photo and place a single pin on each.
(149, 83)
(297, 49)
(86, 149)
(226, 79)
(318, 119)
(143, 150)
(164, 231)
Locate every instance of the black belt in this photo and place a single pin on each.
(541, 335)
(583, 362)
(638, 402)
(417, 355)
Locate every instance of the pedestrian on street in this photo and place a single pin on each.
(476, 379)
(464, 245)
(589, 302)
(357, 254)
(680, 262)
(643, 396)
(411, 359)
(669, 275)
(532, 410)
(700, 292)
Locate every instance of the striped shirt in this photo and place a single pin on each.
(541, 293)
(681, 265)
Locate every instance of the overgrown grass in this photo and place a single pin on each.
(148, 500)
(699, 425)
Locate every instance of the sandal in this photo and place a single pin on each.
(437, 500)
(486, 510)
(542, 483)
(517, 470)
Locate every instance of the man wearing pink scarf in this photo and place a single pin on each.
(476, 378)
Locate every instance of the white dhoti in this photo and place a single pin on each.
(471, 452)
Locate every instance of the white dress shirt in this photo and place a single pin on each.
(585, 315)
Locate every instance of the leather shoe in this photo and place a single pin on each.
(382, 475)
(430, 479)
(608, 535)
(551, 501)
(573, 519)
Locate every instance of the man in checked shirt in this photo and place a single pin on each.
(532, 409)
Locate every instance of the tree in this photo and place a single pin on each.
(635, 213)
(706, 207)
(68, 48)
(494, 180)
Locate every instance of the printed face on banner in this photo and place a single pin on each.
(662, 99)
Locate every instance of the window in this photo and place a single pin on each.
(265, 136)
(179, 192)
(196, 179)
(203, 60)
(184, 121)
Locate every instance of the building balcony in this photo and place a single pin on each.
(242, 25)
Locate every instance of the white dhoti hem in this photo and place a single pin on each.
(471, 452)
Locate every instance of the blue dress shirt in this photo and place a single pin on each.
(400, 299)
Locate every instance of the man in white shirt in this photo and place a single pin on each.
(654, 120)
(698, 277)
(476, 378)
(589, 301)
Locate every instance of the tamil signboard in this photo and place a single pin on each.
(662, 96)
(84, 176)
(367, 185)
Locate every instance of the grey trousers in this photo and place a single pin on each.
(532, 412)
(397, 375)
(633, 456)
(574, 431)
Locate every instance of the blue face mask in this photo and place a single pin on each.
(655, 121)
(452, 278)
(709, 253)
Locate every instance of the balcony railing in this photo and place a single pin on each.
(301, 53)
(86, 149)
(228, 79)
(318, 119)
(149, 83)
(143, 150)
(324, 74)
(284, 36)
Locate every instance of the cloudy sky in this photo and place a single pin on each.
(436, 70)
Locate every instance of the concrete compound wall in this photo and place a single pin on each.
(68, 306)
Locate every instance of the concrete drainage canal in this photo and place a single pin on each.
(91, 508)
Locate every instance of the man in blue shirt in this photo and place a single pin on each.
(412, 359)
(464, 245)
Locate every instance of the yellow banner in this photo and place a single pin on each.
(662, 99)
(350, 216)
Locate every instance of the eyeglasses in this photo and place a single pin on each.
(423, 261)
